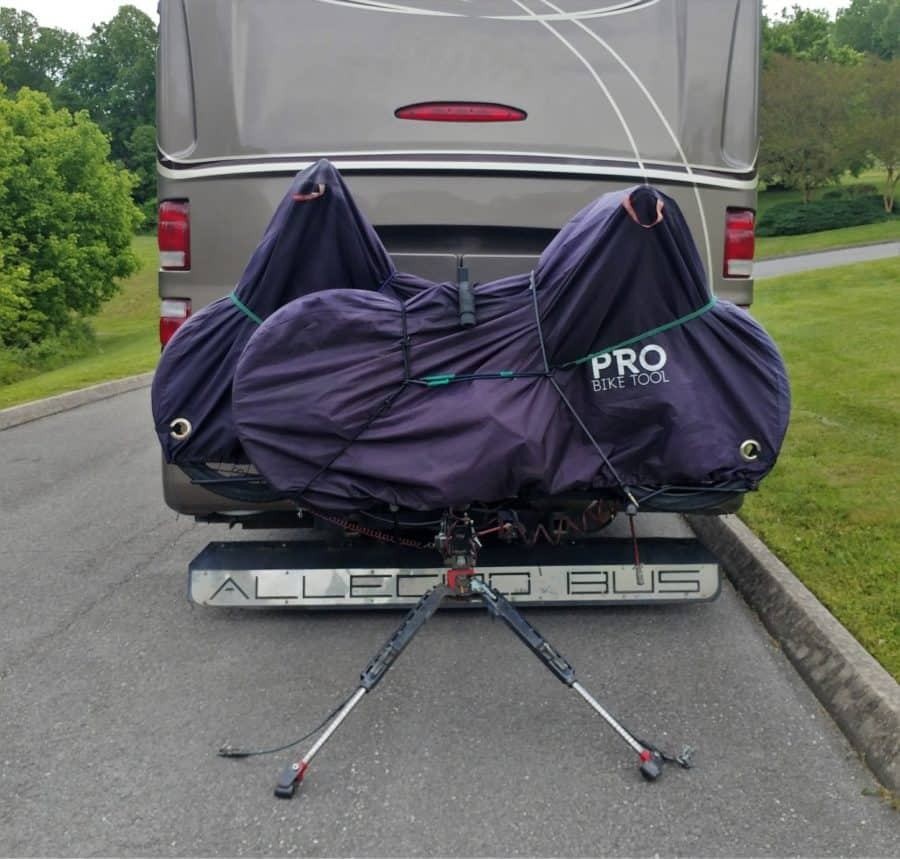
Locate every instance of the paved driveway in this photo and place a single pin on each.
(115, 694)
(825, 259)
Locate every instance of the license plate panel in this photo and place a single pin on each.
(308, 575)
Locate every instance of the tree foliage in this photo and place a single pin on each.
(66, 218)
(141, 161)
(111, 74)
(871, 26)
(39, 57)
(115, 77)
(806, 123)
(878, 123)
(805, 34)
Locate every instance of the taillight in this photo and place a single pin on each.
(172, 314)
(739, 242)
(460, 111)
(174, 235)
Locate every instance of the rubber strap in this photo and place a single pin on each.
(653, 331)
(244, 309)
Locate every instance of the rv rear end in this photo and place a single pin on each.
(468, 132)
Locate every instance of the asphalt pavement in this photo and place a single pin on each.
(824, 259)
(115, 694)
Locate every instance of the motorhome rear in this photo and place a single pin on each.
(468, 132)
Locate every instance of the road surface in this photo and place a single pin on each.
(824, 259)
(115, 694)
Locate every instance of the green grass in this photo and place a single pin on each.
(830, 508)
(127, 342)
(773, 246)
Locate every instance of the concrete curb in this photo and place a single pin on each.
(23, 414)
(859, 694)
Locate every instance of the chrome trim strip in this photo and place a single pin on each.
(537, 168)
(524, 156)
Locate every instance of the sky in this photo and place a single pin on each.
(77, 15)
(81, 15)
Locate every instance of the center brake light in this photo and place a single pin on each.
(739, 242)
(460, 111)
(173, 235)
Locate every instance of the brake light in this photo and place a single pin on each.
(172, 314)
(460, 111)
(174, 235)
(739, 242)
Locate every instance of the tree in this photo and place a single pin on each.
(115, 81)
(806, 34)
(66, 219)
(141, 161)
(806, 123)
(872, 26)
(878, 125)
(39, 57)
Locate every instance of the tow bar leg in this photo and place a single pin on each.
(651, 759)
(292, 775)
(463, 583)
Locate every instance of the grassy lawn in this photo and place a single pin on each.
(774, 246)
(127, 338)
(830, 508)
(770, 198)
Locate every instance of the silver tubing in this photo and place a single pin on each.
(609, 719)
(335, 724)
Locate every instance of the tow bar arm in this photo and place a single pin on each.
(462, 582)
(292, 775)
(650, 757)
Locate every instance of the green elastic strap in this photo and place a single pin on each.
(658, 330)
(434, 381)
(446, 378)
(244, 309)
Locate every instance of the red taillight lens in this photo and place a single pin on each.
(739, 242)
(174, 235)
(460, 111)
(172, 314)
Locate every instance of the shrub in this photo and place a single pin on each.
(861, 190)
(789, 219)
(74, 341)
(66, 219)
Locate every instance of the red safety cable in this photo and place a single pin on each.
(356, 528)
(634, 543)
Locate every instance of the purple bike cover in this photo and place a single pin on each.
(316, 240)
(610, 367)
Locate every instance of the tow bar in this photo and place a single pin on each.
(459, 544)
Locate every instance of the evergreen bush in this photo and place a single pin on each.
(790, 219)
